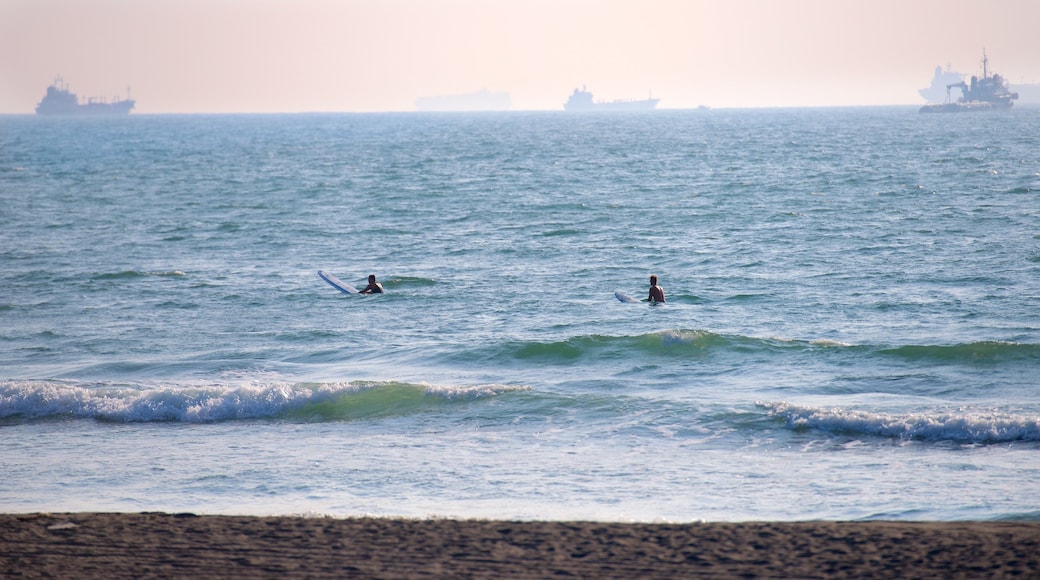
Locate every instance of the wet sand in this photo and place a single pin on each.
(142, 545)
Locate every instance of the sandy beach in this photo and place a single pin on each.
(139, 545)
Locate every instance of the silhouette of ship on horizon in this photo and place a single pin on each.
(982, 94)
(60, 101)
(581, 100)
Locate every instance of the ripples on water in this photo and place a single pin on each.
(854, 291)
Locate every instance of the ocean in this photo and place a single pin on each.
(851, 331)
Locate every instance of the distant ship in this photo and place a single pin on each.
(483, 100)
(60, 101)
(985, 94)
(937, 91)
(581, 100)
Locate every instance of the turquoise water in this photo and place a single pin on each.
(852, 328)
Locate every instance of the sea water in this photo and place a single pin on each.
(852, 325)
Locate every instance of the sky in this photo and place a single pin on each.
(266, 56)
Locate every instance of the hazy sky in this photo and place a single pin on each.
(185, 56)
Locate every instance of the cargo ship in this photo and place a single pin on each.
(581, 100)
(982, 94)
(60, 101)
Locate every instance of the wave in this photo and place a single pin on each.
(966, 427)
(34, 401)
(131, 274)
(691, 344)
(664, 343)
(695, 344)
(407, 281)
(40, 400)
(1022, 189)
(984, 351)
(561, 232)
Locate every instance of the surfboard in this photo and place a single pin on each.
(624, 297)
(337, 283)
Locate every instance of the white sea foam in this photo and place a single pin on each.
(964, 426)
(194, 403)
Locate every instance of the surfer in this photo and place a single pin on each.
(656, 292)
(377, 288)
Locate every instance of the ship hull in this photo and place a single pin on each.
(966, 107)
(89, 110)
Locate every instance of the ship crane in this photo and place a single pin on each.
(961, 85)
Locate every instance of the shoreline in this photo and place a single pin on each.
(153, 544)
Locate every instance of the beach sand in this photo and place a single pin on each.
(96, 545)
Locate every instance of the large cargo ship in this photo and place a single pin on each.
(60, 101)
(982, 94)
(581, 100)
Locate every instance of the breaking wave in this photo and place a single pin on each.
(36, 400)
(984, 427)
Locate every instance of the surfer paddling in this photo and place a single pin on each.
(656, 292)
(375, 287)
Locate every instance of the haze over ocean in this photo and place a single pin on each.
(315, 56)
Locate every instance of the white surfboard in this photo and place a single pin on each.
(337, 283)
(624, 297)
